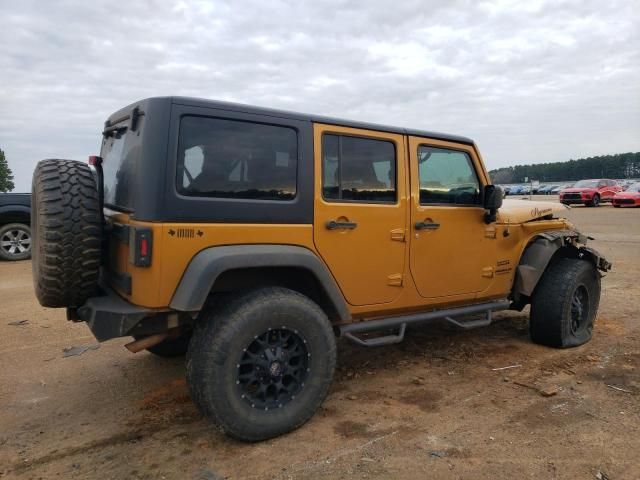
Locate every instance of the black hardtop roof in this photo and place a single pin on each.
(239, 107)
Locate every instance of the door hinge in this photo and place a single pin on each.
(397, 234)
(395, 280)
(487, 272)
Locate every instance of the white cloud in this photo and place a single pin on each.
(529, 81)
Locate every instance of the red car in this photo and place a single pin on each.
(629, 198)
(590, 192)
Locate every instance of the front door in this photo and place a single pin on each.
(452, 249)
(360, 210)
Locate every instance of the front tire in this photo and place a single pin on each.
(565, 304)
(595, 202)
(262, 364)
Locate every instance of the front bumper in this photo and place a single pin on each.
(573, 201)
(625, 202)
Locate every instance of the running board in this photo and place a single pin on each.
(351, 330)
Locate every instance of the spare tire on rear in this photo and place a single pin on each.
(66, 228)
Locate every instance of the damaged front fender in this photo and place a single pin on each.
(539, 253)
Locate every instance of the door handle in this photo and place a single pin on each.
(426, 226)
(333, 225)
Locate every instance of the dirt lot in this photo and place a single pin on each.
(431, 406)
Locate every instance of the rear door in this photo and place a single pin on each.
(452, 249)
(360, 210)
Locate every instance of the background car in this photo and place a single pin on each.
(590, 193)
(629, 198)
(15, 230)
(556, 190)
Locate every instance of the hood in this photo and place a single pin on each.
(578, 190)
(520, 211)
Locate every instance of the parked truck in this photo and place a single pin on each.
(15, 232)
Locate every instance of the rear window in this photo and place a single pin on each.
(236, 159)
(118, 169)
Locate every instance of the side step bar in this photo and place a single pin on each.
(351, 330)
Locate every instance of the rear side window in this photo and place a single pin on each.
(358, 169)
(447, 177)
(236, 159)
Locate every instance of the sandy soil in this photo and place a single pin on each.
(432, 406)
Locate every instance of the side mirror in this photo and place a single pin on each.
(493, 196)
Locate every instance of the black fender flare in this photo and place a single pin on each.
(540, 251)
(207, 265)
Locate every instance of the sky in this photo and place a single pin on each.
(530, 81)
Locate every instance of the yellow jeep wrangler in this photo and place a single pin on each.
(249, 238)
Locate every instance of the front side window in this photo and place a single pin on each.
(236, 159)
(356, 169)
(447, 177)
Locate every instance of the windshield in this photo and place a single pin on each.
(586, 184)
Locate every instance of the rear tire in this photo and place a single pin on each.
(66, 226)
(15, 241)
(565, 303)
(261, 364)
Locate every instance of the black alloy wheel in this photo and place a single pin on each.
(273, 368)
(579, 309)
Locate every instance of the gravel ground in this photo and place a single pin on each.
(434, 405)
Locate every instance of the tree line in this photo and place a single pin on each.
(621, 165)
(6, 176)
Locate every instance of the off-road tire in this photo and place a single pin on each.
(551, 321)
(222, 335)
(595, 201)
(66, 233)
(172, 347)
(18, 237)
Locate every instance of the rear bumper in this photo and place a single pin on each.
(110, 316)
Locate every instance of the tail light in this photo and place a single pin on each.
(140, 246)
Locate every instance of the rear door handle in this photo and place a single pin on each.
(333, 225)
(427, 226)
